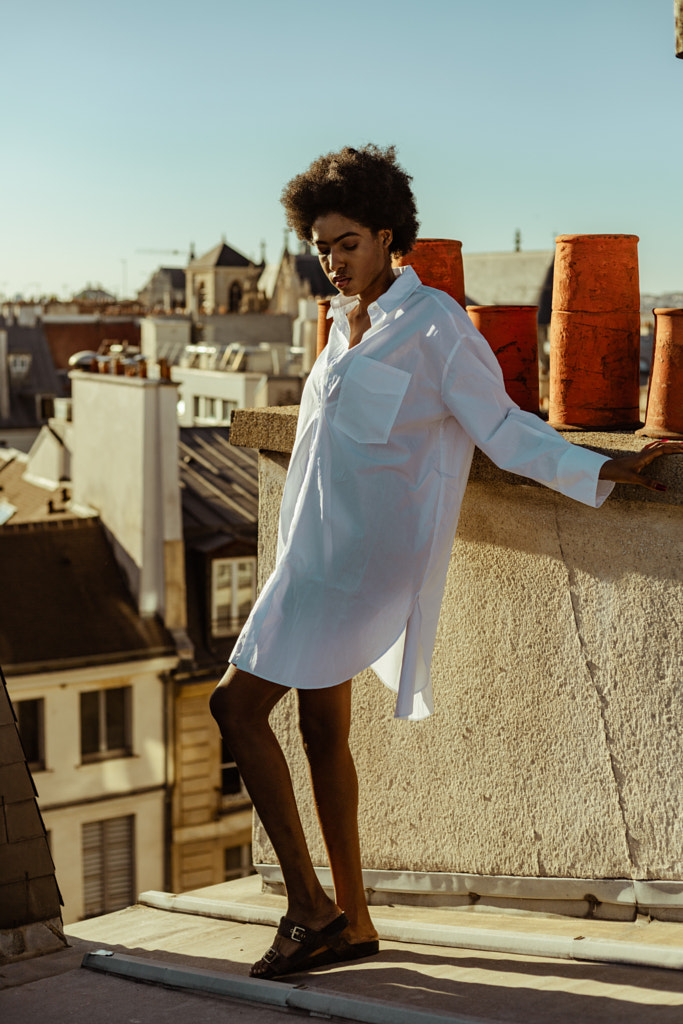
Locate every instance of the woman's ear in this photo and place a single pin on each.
(387, 236)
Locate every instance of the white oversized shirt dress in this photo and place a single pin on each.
(383, 449)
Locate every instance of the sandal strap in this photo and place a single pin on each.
(311, 943)
(308, 937)
(289, 929)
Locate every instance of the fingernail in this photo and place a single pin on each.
(660, 487)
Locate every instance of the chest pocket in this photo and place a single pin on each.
(370, 397)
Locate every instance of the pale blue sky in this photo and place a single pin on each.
(148, 125)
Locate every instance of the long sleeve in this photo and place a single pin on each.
(516, 441)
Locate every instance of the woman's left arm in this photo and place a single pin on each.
(627, 468)
(519, 442)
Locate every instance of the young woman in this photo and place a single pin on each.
(389, 418)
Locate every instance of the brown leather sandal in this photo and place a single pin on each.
(341, 951)
(313, 944)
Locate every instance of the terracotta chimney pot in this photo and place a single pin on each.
(664, 416)
(438, 264)
(323, 325)
(512, 333)
(595, 333)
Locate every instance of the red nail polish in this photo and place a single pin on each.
(660, 487)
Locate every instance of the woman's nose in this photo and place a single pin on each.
(335, 259)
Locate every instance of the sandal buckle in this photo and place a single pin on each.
(298, 934)
(269, 955)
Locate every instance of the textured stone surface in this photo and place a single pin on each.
(271, 429)
(556, 746)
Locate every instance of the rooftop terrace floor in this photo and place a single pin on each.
(409, 980)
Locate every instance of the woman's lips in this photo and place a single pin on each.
(340, 282)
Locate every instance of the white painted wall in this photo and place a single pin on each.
(221, 384)
(71, 793)
(65, 828)
(167, 330)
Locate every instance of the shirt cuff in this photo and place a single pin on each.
(577, 476)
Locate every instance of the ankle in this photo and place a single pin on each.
(312, 910)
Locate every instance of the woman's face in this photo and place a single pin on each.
(356, 260)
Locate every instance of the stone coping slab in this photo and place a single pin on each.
(656, 944)
(274, 430)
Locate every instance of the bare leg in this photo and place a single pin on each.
(241, 704)
(325, 719)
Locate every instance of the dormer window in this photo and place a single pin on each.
(19, 364)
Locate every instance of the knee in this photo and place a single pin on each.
(241, 705)
(224, 704)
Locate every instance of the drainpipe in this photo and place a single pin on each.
(4, 378)
(168, 683)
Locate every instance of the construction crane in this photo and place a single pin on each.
(167, 252)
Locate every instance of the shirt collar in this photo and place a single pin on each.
(405, 283)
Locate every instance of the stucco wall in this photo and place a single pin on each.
(65, 828)
(556, 749)
(71, 792)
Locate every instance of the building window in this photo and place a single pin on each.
(231, 780)
(197, 407)
(226, 411)
(235, 297)
(108, 865)
(19, 366)
(45, 407)
(233, 590)
(106, 723)
(237, 862)
(31, 720)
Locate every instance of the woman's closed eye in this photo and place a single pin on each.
(325, 255)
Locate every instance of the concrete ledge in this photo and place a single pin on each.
(496, 940)
(274, 430)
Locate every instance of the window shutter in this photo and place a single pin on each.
(108, 865)
(93, 869)
(120, 888)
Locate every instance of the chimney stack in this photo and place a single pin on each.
(125, 467)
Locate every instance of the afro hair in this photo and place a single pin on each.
(366, 185)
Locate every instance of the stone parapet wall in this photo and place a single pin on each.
(556, 749)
